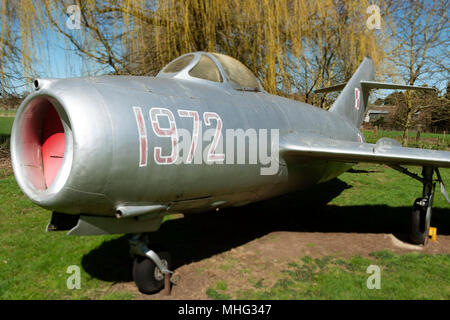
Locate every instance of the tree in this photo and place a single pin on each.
(396, 119)
(10, 59)
(22, 34)
(440, 114)
(287, 44)
(420, 31)
(440, 117)
(432, 112)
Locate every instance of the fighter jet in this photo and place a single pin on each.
(115, 154)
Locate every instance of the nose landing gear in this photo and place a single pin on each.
(150, 269)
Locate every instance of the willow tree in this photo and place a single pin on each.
(293, 46)
(19, 37)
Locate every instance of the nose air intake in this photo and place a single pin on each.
(38, 144)
(53, 143)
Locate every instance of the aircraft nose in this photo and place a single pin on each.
(60, 156)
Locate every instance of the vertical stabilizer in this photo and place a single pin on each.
(352, 102)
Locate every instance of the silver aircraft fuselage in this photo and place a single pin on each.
(108, 126)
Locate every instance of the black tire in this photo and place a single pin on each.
(148, 278)
(420, 221)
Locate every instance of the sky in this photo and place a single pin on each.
(60, 63)
(61, 60)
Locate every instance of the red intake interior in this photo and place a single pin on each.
(53, 143)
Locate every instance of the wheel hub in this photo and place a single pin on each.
(158, 273)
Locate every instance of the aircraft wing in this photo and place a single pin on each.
(386, 151)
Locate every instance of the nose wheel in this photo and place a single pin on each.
(151, 269)
(146, 274)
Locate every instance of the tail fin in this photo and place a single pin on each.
(352, 101)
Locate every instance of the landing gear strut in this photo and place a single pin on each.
(421, 212)
(422, 208)
(150, 269)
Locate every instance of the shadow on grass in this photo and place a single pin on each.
(4, 139)
(364, 171)
(203, 235)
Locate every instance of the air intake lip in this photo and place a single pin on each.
(41, 147)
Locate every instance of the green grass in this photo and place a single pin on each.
(33, 263)
(426, 141)
(5, 130)
(218, 293)
(409, 276)
(371, 182)
(6, 125)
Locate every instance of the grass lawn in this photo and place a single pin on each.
(426, 140)
(33, 264)
(409, 276)
(6, 125)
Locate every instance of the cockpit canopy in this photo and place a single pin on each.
(214, 67)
